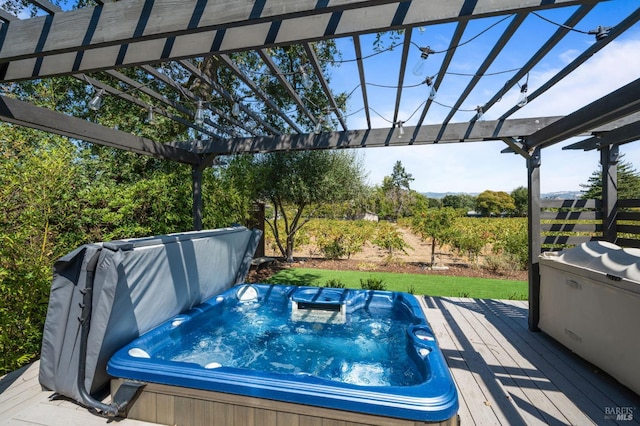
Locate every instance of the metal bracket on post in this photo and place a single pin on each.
(614, 154)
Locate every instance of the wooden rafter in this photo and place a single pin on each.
(131, 33)
(28, 115)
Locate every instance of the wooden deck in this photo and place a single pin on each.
(504, 373)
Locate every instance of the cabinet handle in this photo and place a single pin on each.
(574, 284)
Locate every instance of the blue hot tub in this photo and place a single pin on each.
(359, 351)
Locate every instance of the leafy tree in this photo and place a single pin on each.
(394, 195)
(298, 183)
(493, 203)
(628, 183)
(40, 222)
(520, 197)
(464, 202)
(389, 238)
(435, 224)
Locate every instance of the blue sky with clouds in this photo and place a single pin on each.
(477, 166)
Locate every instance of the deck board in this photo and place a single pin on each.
(504, 374)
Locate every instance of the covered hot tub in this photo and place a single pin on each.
(368, 357)
(590, 302)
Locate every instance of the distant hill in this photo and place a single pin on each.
(439, 195)
(560, 195)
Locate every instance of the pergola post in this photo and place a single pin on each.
(196, 176)
(609, 156)
(534, 230)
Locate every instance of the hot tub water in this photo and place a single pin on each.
(365, 350)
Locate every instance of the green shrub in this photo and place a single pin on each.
(372, 284)
(334, 283)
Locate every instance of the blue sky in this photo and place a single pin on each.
(475, 167)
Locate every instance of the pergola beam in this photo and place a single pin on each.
(619, 136)
(277, 73)
(454, 132)
(406, 44)
(363, 81)
(258, 91)
(132, 33)
(617, 104)
(28, 115)
(143, 88)
(189, 66)
(315, 64)
(455, 41)
(560, 33)
(616, 31)
(491, 56)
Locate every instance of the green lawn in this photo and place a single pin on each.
(432, 285)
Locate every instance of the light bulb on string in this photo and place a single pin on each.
(479, 113)
(306, 81)
(432, 93)
(235, 109)
(400, 129)
(96, 102)
(418, 68)
(151, 119)
(523, 100)
(199, 116)
(327, 117)
(318, 127)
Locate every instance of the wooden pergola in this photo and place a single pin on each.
(110, 36)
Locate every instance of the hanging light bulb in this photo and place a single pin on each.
(235, 110)
(318, 128)
(150, 117)
(199, 117)
(327, 117)
(96, 102)
(306, 81)
(522, 100)
(479, 113)
(432, 93)
(400, 129)
(418, 68)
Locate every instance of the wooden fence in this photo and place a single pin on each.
(567, 223)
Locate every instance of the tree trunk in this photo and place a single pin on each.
(290, 244)
(433, 252)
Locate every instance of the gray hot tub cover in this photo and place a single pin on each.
(138, 284)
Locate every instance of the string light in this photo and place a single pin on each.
(429, 82)
(522, 100)
(150, 116)
(600, 32)
(306, 81)
(235, 109)
(96, 102)
(400, 129)
(479, 113)
(418, 68)
(199, 116)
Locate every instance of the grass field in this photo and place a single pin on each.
(432, 285)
